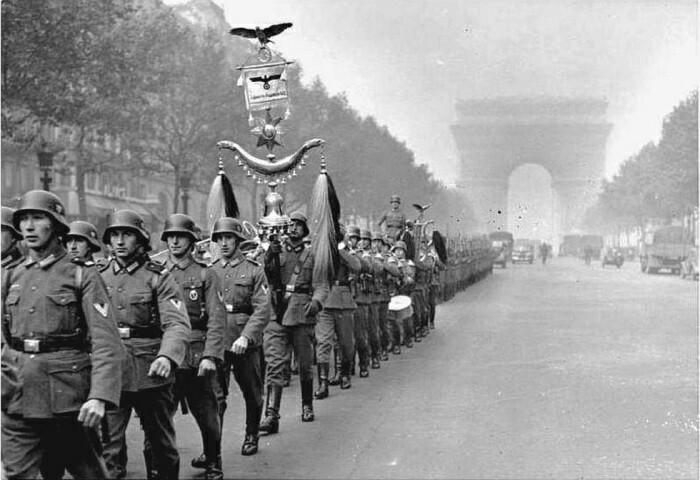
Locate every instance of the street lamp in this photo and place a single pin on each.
(46, 166)
(185, 182)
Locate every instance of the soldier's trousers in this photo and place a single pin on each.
(373, 329)
(341, 323)
(277, 339)
(361, 345)
(202, 397)
(384, 324)
(26, 443)
(247, 372)
(432, 302)
(418, 306)
(396, 329)
(155, 408)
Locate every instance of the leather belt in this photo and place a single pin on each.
(296, 289)
(340, 283)
(45, 345)
(126, 332)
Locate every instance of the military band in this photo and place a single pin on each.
(89, 338)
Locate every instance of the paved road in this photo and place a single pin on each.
(556, 371)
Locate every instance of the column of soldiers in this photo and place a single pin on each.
(88, 341)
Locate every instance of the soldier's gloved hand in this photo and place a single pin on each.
(160, 368)
(240, 345)
(92, 412)
(312, 308)
(206, 366)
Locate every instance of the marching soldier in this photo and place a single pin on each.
(437, 267)
(371, 298)
(246, 296)
(361, 315)
(406, 286)
(395, 219)
(197, 383)
(11, 254)
(155, 328)
(296, 302)
(82, 243)
(63, 343)
(337, 317)
(382, 282)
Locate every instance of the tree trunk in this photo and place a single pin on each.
(176, 196)
(80, 175)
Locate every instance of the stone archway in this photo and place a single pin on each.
(565, 136)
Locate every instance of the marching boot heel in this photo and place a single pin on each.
(270, 424)
(322, 391)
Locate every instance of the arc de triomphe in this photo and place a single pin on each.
(565, 136)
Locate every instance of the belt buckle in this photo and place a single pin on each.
(124, 332)
(289, 288)
(229, 308)
(32, 345)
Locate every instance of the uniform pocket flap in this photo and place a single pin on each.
(12, 299)
(243, 281)
(146, 349)
(61, 298)
(69, 365)
(140, 298)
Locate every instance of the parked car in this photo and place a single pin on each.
(614, 257)
(523, 254)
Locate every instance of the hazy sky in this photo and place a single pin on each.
(407, 62)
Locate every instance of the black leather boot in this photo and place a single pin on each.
(364, 363)
(375, 362)
(270, 424)
(322, 391)
(307, 401)
(345, 377)
(151, 472)
(214, 471)
(199, 461)
(335, 379)
(250, 444)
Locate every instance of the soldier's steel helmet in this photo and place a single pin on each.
(7, 219)
(378, 236)
(86, 231)
(129, 220)
(399, 244)
(395, 198)
(179, 223)
(300, 217)
(228, 225)
(45, 202)
(365, 235)
(353, 231)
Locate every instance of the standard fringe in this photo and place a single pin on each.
(324, 227)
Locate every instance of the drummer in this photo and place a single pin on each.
(400, 316)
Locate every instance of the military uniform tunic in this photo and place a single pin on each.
(63, 342)
(337, 315)
(203, 302)
(296, 328)
(153, 321)
(395, 221)
(246, 296)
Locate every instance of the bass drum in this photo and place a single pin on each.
(400, 307)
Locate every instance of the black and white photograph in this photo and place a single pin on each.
(349, 239)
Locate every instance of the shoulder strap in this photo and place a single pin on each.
(300, 264)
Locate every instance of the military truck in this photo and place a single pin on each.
(665, 249)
